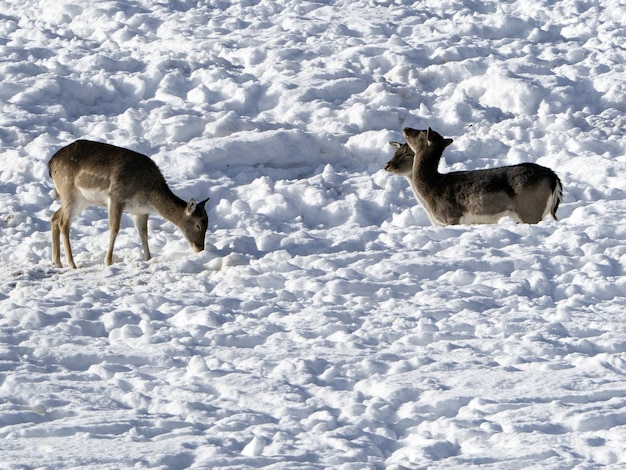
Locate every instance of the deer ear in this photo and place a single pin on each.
(428, 141)
(447, 142)
(395, 145)
(191, 206)
(202, 203)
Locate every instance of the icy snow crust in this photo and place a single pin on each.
(327, 325)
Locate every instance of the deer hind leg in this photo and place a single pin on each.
(115, 217)
(531, 212)
(60, 223)
(56, 239)
(55, 225)
(535, 203)
(141, 223)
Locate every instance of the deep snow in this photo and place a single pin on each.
(327, 325)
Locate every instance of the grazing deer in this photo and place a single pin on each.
(86, 173)
(526, 192)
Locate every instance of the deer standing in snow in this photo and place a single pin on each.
(526, 192)
(87, 173)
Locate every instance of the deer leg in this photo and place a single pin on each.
(56, 238)
(534, 204)
(141, 223)
(115, 217)
(63, 222)
(66, 243)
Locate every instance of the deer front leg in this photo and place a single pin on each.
(141, 223)
(115, 217)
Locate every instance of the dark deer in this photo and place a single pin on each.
(526, 192)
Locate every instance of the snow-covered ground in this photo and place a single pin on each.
(327, 324)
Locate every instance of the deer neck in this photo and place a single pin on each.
(168, 205)
(425, 175)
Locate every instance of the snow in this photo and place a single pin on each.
(327, 324)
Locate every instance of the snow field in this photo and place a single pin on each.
(326, 325)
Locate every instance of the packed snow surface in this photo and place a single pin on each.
(327, 324)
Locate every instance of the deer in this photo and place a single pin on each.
(526, 192)
(88, 173)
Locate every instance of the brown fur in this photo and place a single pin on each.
(92, 173)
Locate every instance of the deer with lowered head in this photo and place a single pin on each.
(89, 173)
(526, 192)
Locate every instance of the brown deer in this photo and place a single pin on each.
(92, 173)
(526, 192)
